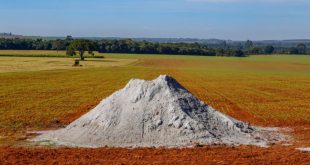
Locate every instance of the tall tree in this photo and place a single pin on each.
(81, 45)
(239, 53)
(256, 50)
(248, 45)
(301, 48)
(224, 44)
(269, 49)
(293, 50)
(58, 45)
(69, 38)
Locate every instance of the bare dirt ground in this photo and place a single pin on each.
(198, 155)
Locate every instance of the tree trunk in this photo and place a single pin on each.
(82, 55)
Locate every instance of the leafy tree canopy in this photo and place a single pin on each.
(81, 45)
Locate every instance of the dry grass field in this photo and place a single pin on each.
(22, 64)
(34, 53)
(38, 93)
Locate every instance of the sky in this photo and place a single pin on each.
(222, 19)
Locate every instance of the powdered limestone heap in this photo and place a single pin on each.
(154, 113)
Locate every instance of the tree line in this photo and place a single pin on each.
(144, 47)
(250, 48)
(115, 46)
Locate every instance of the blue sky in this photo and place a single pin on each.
(224, 19)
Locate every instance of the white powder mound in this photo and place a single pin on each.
(156, 113)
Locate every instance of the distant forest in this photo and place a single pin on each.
(214, 48)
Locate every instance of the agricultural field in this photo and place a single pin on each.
(22, 64)
(46, 92)
(32, 53)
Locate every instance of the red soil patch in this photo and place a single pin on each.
(203, 155)
(78, 113)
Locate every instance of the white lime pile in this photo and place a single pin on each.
(156, 113)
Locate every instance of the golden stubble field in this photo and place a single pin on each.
(262, 90)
